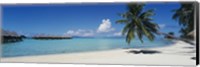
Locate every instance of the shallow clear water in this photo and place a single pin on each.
(30, 47)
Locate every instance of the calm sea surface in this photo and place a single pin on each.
(30, 47)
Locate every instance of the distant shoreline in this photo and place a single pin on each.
(51, 38)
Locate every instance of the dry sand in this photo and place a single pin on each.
(179, 53)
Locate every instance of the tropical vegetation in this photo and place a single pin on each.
(185, 16)
(138, 22)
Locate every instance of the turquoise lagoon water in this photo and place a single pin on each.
(30, 47)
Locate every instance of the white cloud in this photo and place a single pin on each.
(105, 26)
(80, 32)
(117, 34)
(162, 25)
(70, 32)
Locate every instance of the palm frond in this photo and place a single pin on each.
(126, 28)
(138, 22)
(147, 14)
(130, 36)
(185, 17)
(122, 21)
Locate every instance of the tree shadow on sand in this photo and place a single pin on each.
(188, 47)
(193, 58)
(144, 51)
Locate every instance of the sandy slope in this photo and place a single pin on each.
(179, 53)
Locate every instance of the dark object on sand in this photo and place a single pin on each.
(193, 58)
(134, 51)
(149, 51)
(144, 51)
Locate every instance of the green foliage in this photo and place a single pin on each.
(185, 16)
(138, 23)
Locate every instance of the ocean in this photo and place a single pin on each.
(31, 47)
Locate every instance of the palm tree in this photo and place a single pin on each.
(185, 17)
(138, 23)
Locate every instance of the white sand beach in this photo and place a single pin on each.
(179, 53)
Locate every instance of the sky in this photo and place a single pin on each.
(85, 20)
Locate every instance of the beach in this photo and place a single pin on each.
(180, 53)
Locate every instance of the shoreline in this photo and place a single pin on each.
(179, 53)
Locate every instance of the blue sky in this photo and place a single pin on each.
(79, 19)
